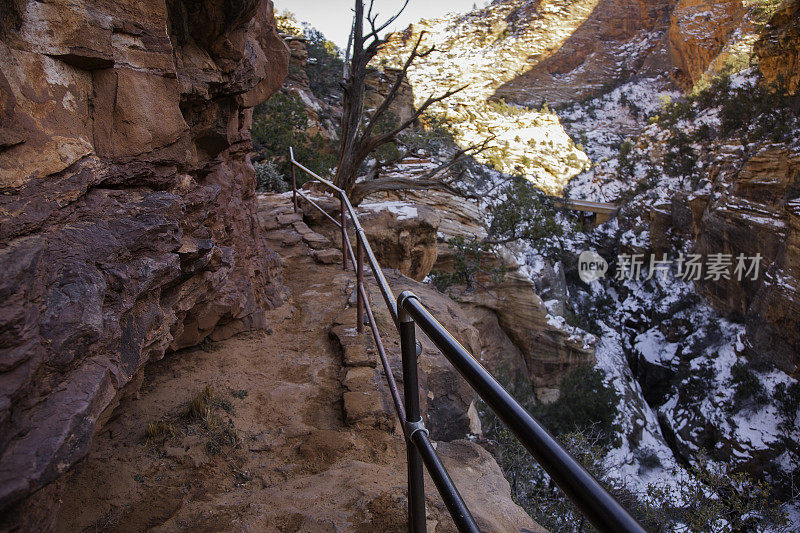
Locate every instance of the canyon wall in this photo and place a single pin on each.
(698, 31)
(127, 214)
(778, 49)
(608, 41)
(754, 210)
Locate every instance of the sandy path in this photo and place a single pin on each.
(273, 450)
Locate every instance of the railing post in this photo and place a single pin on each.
(416, 483)
(343, 209)
(294, 179)
(359, 281)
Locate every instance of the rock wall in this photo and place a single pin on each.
(778, 49)
(698, 31)
(127, 214)
(760, 214)
(752, 209)
(607, 42)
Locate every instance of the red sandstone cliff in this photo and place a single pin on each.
(127, 214)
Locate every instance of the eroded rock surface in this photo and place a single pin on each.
(756, 211)
(698, 31)
(402, 235)
(778, 49)
(127, 215)
(509, 313)
(590, 44)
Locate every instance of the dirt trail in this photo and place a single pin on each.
(270, 445)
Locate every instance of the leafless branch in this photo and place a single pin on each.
(374, 31)
(390, 97)
(461, 153)
(369, 144)
(363, 189)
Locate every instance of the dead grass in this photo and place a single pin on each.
(160, 430)
(199, 416)
(199, 405)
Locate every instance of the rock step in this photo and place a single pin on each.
(355, 348)
(363, 402)
(329, 256)
(415, 161)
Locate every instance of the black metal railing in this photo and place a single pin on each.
(408, 312)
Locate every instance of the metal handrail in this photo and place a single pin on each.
(600, 507)
(580, 486)
(362, 302)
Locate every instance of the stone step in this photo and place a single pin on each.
(289, 218)
(365, 409)
(313, 239)
(363, 402)
(356, 349)
(327, 256)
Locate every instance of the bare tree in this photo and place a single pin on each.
(357, 142)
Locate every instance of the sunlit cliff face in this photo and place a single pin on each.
(483, 50)
(532, 54)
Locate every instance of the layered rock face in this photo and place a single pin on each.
(755, 210)
(606, 42)
(778, 49)
(698, 31)
(127, 219)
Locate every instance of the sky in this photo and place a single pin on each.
(334, 17)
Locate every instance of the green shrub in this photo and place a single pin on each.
(647, 458)
(324, 67)
(680, 160)
(534, 490)
(762, 10)
(471, 257)
(525, 213)
(585, 403)
(626, 160)
(787, 400)
(500, 106)
(268, 178)
(281, 122)
(286, 22)
(748, 390)
(715, 499)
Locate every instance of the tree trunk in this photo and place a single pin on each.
(352, 107)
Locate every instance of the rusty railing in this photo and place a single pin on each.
(407, 312)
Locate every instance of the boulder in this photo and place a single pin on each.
(128, 218)
(402, 235)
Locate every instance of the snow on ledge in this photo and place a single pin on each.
(403, 210)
